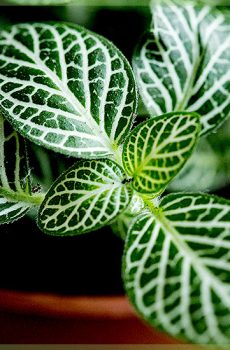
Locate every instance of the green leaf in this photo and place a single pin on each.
(208, 169)
(156, 150)
(14, 174)
(177, 267)
(86, 197)
(66, 88)
(183, 63)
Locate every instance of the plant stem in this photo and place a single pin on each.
(32, 200)
(152, 205)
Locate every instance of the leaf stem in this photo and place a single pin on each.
(31, 200)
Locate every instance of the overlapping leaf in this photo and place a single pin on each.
(66, 88)
(88, 196)
(183, 63)
(177, 267)
(13, 174)
(157, 149)
(208, 169)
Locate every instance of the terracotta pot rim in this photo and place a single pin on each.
(54, 305)
(56, 309)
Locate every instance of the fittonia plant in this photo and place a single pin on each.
(72, 91)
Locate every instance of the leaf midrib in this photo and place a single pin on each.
(84, 197)
(198, 56)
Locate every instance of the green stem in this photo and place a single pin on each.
(151, 206)
(32, 200)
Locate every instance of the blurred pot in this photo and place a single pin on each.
(39, 318)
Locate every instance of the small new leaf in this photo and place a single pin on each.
(156, 150)
(86, 197)
(177, 267)
(14, 179)
(183, 63)
(66, 88)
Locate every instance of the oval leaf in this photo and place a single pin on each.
(183, 63)
(14, 174)
(86, 197)
(156, 150)
(66, 88)
(177, 267)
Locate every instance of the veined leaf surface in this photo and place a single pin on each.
(86, 197)
(177, 267)
(183, 63)
(14, 172)
(208, 169)
(156, 150)
(66, 88)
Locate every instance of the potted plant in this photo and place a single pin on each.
(70, 90)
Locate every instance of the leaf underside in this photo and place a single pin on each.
(13, 173)
(183, 63)
(177, 267)
(86, 197)
(66, 88)
(156, 150)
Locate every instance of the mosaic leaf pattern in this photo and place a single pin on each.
(156, 150)
(177, 267)
(86, 197)
(183, 63)
(13, 173)
(66, 88)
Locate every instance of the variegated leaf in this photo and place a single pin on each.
(183, 63)
(86, 197)
(14, 179)
(66, 88)
(208, 169)
(177, 267)
(156, 150)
